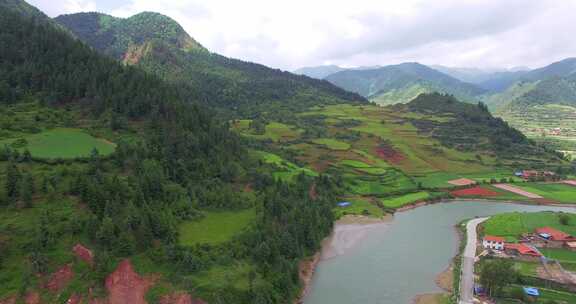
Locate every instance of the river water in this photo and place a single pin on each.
(391, 263)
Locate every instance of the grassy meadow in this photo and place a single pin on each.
(62, 143)
(215, 227)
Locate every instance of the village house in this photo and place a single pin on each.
(522, 251)
(554, 238)
(493, 242)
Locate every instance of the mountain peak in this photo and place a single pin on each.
(118, 36)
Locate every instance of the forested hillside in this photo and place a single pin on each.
(166, 50)
(68, 221)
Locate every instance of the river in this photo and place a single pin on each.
(392, 262)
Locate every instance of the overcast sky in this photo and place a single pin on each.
(289, 34)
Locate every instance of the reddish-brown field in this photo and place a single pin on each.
(389, 154)
(475, 191)
(58, 280)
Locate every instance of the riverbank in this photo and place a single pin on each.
(348, 230)
(365, 266)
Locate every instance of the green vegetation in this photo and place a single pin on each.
(332, 143)
(61, 143)
(399, 201)
(562, 255)
(174, 161)
(557, 192)
(526, 268)
(215, 227)
(284, 170)
(160, 46)
(512, 225)
(359, 206)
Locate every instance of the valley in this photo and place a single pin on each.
(139, 166)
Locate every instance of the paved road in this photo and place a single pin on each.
(467, 277)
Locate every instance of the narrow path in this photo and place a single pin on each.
(467, 275)
(517, 190)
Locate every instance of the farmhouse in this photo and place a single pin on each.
(527, 174)
(522, 250)
(493, 242)
(553, 237)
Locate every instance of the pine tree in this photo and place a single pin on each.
(27, 189)
(13, 177)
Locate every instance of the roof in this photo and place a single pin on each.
(555, 235)
(344, 204)
(492, 238)
(531, 291)
(522, 249)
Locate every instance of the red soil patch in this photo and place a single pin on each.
(74, 299)
(83, 253)
(475, 191)
(11, 300)
(58, 280)
(180, 298)
(32, 298)
(124, 285)
(387, 153)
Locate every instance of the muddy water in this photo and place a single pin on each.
(392, 262)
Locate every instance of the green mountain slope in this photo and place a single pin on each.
(159, 45)
(401, 83)
(22, 8)
(159, 196)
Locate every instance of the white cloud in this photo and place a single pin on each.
(290, 34)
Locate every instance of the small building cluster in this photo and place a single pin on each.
(544, 237)
(535, 174)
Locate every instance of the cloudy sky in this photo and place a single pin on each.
(296, 33)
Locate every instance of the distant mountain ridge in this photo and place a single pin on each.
(159, 45)
(402, 82)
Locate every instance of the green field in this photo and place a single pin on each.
(63, 143)
(512, 225)
(558, 192)
(216, 227)
(526, 268)
(218, 277)
(285, 170)
(332, 144)
(359, 206)
(560, 254)
(274, 131)
(399, 201)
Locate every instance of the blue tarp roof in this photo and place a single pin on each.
(531, 291)
(344, 204)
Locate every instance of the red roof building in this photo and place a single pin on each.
(555, 235)
(522, 249)
(493, 242)
(497, 239)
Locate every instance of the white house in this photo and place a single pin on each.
(493, 242)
